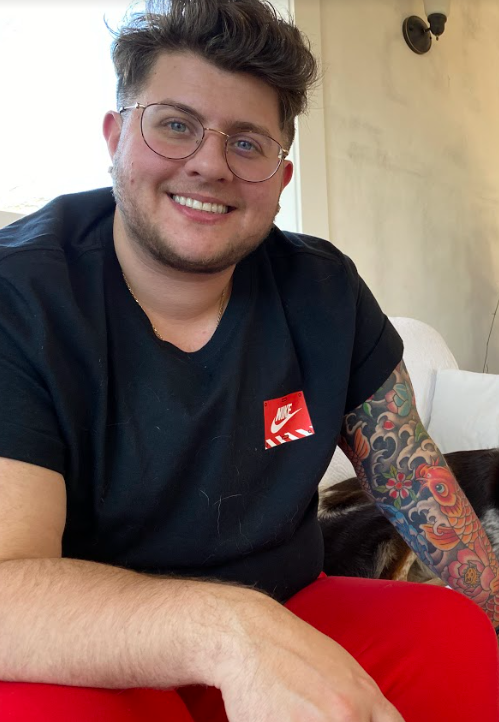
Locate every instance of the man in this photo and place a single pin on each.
(175, 375)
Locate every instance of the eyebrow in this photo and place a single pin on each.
(235, 126)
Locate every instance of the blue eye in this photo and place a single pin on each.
(245, 145)
(176, 126)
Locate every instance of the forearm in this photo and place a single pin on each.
(400, 466)
(462, 556)
(79, 623)
(454, 546)
(468, 564)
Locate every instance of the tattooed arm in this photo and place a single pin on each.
(402, 469)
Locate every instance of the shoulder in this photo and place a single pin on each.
(64, 226)
(51, 259)
(310, 255)
(287, 242)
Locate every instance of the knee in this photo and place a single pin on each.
(448, 654)
(451, 618)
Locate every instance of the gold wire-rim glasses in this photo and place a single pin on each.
(281, 155)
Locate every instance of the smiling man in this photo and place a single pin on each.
(176, 374)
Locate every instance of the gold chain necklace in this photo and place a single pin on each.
(157, 333)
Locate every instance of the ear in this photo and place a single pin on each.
(111, 128)
(287, 174)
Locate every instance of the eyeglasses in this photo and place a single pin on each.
(175, 134)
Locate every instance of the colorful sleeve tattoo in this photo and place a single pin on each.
(402, 469)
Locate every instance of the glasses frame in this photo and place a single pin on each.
(283, 152)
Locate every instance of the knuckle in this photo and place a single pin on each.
(369, 688)
(343, 707)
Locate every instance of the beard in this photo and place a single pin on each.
(153, 242)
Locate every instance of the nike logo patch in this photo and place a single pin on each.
(278, 413)
(274, 428)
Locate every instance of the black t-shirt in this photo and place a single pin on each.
(164, 452)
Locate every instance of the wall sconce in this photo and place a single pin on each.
(417, 34)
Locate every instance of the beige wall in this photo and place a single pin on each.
(6, 218)
(412, 161)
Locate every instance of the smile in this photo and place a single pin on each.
(200, 206)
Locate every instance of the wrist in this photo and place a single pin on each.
(205, 628)
(244, 615)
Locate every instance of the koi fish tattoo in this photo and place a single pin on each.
(400, 467)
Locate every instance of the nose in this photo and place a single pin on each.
(209, 159)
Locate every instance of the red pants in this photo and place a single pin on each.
(433, 653)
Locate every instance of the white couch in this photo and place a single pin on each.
(459, 409)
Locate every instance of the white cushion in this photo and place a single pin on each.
(339, 468)
(465, 413)
(425, 351)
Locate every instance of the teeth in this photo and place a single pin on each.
(199, 206)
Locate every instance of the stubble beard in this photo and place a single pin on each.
(152, 242)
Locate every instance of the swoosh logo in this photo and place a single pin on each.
(274, 428)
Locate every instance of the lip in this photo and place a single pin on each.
(203, 199)
(203, 217)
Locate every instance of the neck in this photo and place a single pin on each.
(167, 296)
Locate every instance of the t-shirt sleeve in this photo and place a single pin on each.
(29, 429)
(377, 347)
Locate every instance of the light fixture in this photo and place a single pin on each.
(417, 34)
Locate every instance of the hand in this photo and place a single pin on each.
(283, 669)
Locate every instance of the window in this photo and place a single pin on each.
(57, 83)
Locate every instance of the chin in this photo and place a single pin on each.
(166, 255)
(192, 265)
(207, 265)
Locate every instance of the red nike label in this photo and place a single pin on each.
(286, 419)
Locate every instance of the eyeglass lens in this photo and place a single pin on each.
(175, 134)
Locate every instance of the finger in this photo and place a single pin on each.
(386, 712)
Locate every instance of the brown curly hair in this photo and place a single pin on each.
(246, 36)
